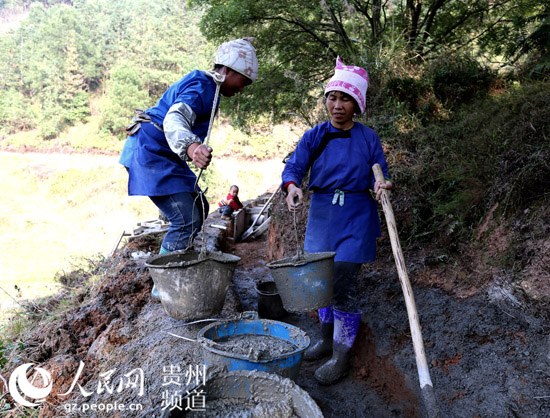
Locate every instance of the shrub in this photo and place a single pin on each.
(457, 79)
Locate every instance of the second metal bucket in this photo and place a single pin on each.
(192, 285)
(304, 283)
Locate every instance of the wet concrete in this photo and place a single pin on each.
(256, 395)
(256, 347)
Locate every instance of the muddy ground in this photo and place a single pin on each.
(488, 352)
(487, 356)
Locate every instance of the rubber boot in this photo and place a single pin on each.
(323, 347)
(154, 291)
(346, 326)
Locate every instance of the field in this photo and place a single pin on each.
(59, 209)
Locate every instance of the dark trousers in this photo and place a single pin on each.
(345, 286)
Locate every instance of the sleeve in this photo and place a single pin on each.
(236, 204)
(297, 165)
(178, 124)
(194, 100)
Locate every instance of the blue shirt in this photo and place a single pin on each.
(350, 226)
(153, 168)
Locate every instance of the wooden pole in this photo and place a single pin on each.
(426, 385)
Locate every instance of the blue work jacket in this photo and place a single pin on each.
(343, 216)
(153, 168)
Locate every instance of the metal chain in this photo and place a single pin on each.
(299, 251)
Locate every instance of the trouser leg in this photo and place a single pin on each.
(345, 286)
(185, 212)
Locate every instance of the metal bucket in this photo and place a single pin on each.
(285, 364)
(305, 282)
(270, 305)
(192, 285)
(244, 393)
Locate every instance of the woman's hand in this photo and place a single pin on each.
(200, 154)
(379, 186)
(294, 198)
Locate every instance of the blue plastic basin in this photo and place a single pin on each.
(286, 365)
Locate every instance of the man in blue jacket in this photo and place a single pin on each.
(166, 137)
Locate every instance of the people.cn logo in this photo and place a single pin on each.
(21, 388)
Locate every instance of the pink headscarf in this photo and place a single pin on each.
(351, 80)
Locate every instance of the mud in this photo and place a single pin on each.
(488, 355)
(487, 349)
(256, 347)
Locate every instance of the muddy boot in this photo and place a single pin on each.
(346, 325)
(322, 347)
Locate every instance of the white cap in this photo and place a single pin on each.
(240, 56)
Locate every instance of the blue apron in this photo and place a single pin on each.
(153, 168)
(350, 230)
(347, 224)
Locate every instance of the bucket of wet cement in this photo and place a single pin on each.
(254, 344)
(192, 285)
(270, 305)
(305, 281)
(252, 394)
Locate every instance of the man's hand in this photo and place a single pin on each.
(200, 154)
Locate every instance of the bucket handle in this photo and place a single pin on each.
(243, 315)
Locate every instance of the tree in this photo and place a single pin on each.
(297, 45)
(66, 51)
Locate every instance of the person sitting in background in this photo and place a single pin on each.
(231, 203)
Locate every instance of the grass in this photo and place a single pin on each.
(57, 208)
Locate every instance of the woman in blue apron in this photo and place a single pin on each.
(343, 215)
(166, 137)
